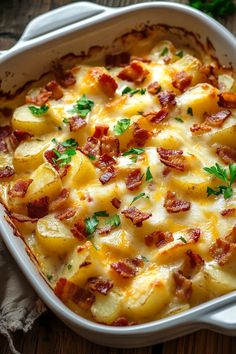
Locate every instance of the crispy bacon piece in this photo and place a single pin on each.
(105, 161)
(50, 156)
(5, 131)
(228, 212)
(172, 158)
(85, 264)
(217, 119)
(181, 80)
(156, 117)
(123, 322)
(194, 259)
(227, 100)
(227, 154)
(116, 203)
(40, 99)
(174, 205)
(209, 72)
(60, 200)
(199, 129)
(154, 88)
(105, 230)
(100, 285)
(134, 72)
(134, 179)
(22, 218)
(76, 123)
(66, 214)
(100, 131)
(38, 208)
(127, 268)
(21, 135)
(19, 189)
(6, 171)
(194, 234)
(3, 146)
(223, 248)
(158, 238)
(140, 135)
(107, 175)
(91, 147)
(136, 215)
(109, 145)
(55, 89)
(183, 286)
(120, 59)
(167, 98)
(65, 78)
(59, 288)
(106, 82)
(79, 230)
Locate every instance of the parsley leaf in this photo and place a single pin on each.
(92, 157)
(65, 157)
(182, 239)
(144, 259)
(217, 171)
(221, 173)
(65, 120)
(179, 119)
(91, 224)
(216, 8)
(49, 277)
(131, 91)
(101, 213)
(179, 54)
(83, 106)
(38, 111)
(133, 159)
(190, 111)
(133, 151)
(121, 126)
(164, 52)
(114, 221)
(69, 266)
(149, 176)
(139, 196)
(69, 143)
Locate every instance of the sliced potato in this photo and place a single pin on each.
(106, 309)
(54, 236)
(191, 66)
(224, 136)
(191, 183)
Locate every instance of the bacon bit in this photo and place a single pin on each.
(134, 72)
(76, 122)
(174, 205)
(123, 322)
(120, 59)
(19, 189)
(227, 154)
(154, 88)
(158, 238)
(127, 268)
(107, 175)
(100, 131)
(183, 286)
(156, 117)
(116, 203)
(166, 171)
(22, 218)
(55, 89)
(167, 98)
(199, 129)
(194, 234)
(172, 158)
(38, 208)
(40, 99)
(227, 100)
(66, 214)
(6, 172)
(84, 264)
(60, 200)
(217, 119)
(140, 135)
(136, 215)
(105, 230)
(65, 78)
(209, 72)
(133, 180)
(91, 147)
(102, 286)
(110, 145)
(181, 80)
(106, 82)
(195, 259)
(5, 131)
(59, 288)
(78, 230)
(84, 298)
(50, 156)
(21, 135)
(105, 161)
(228, 212)
(3, 146)
(223, 248)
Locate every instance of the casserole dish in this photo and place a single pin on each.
(32, 46)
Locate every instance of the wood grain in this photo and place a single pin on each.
(49, 335)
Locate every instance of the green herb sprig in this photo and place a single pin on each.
(38, 111)
(121, 126)
(82, 107)
(132, 92)
(214, 8)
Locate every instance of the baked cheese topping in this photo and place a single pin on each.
(121, 181)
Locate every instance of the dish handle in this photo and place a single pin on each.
(61, 17)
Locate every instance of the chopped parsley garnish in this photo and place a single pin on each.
(180, 54)
(149, 176)
(49, 277)
(182, 239)
(179, 119)
(66, 120)
(190, 111)
(133, 151)
(131, 91)
(64, 158)
(69, 266)
(164, 52)
(139, 196)
(54, 140)
(121, 126)
(216, 8)
(114, 221)
(133, 159)
(91, 224)
(82, 107)
(101, 213)
(221, 173)
(144, 259)
(69, 143)
(92, 157)
(38, 111)
(59, 128)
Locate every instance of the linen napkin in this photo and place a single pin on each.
(19, 305)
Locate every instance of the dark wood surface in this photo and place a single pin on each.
(49, 335)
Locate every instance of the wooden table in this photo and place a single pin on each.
(49, 335)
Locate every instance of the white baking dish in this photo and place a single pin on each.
(83, 25)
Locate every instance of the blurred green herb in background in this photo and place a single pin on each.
(215, 8)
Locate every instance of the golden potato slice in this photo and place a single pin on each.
(224, 136)
(191, 66)
(106, 309)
